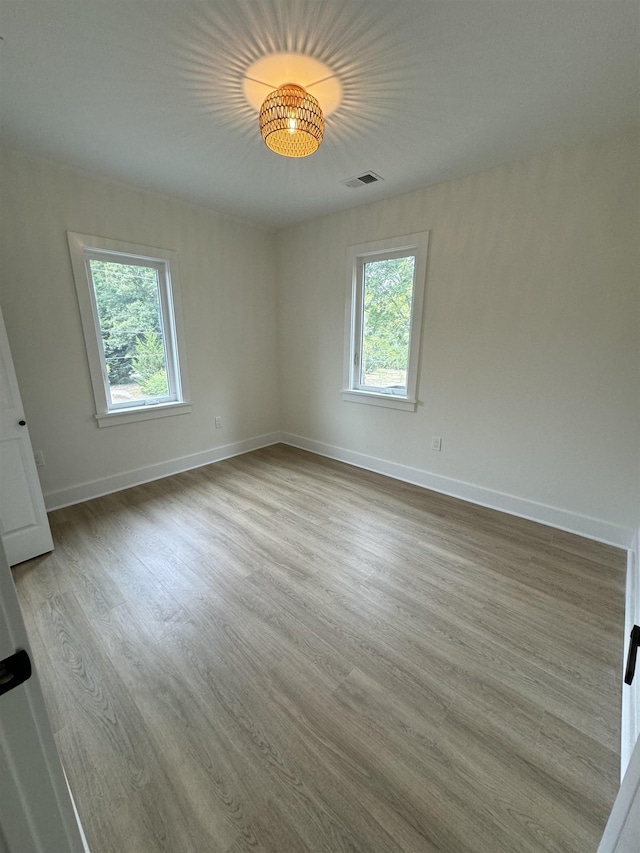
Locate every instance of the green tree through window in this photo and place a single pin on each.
(388, 291)
(128, 306)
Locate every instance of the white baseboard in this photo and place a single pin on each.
(630, 727)
(591, 528)
(138, 476)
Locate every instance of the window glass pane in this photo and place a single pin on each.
(128, 302)
(386, 323)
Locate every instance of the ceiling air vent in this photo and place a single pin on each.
(362, 180)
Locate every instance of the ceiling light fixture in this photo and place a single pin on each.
(291, 121)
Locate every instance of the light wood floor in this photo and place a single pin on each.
(282, 653)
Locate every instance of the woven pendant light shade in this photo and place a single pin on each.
(291, 121)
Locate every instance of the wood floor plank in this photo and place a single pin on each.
(271, 830)
(577, 761)
(206, 767)
(320, 808)
(114, 758)
(282, 653)
(386, 775)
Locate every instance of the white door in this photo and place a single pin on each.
(23, 517)
(37, 814)
(622, 833)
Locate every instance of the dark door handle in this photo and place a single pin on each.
(22, 423)
(634, 642)
(14, 670)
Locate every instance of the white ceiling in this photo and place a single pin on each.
(150, 91)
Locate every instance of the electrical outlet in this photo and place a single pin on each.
(436, 443)
(38, 455)
(218, 422)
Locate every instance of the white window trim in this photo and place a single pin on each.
(143, 413)
(418, 245)
(79, 245)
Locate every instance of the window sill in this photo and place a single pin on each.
(389, 401)
(143, 413)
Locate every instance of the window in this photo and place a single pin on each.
(131, 321)
(385, 293)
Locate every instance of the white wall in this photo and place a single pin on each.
(227, 271)
(529, 367)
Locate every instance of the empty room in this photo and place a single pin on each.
(319, 426)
